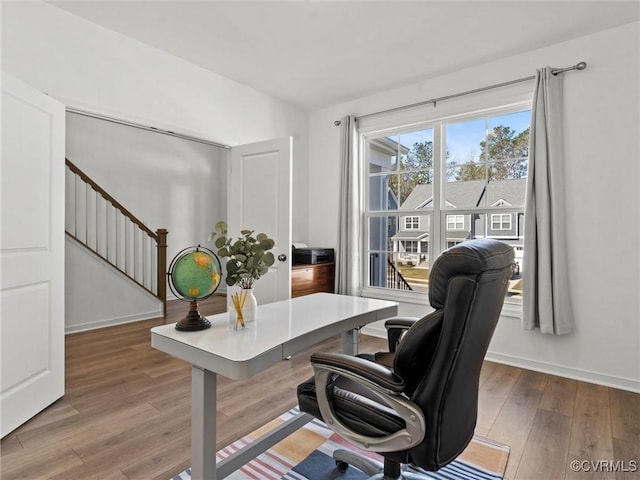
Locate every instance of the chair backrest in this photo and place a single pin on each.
(440, 357)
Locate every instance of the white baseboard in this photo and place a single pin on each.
(83, 327)
(566, 372)
(375, 331)
(543, 367)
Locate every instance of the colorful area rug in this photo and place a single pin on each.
(306, 455)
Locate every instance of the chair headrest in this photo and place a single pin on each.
(468, 258)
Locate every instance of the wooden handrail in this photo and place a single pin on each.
(85, 178)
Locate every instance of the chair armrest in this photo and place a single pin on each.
(396, 326)
(400, 322)
(386, 386)
(361, 368)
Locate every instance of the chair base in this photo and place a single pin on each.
(376, 470)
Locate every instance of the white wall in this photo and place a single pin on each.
(92, 68)
(97, 295)
(89, 67)
(166, 182)
(601, 110)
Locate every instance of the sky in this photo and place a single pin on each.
(463, 138)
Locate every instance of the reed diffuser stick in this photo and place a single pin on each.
(239, 299)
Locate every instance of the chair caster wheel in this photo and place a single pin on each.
(341, 466)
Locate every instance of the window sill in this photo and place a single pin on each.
(512, 310)
(397, 296)
(509, 310)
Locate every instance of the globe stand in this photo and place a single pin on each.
(193, 321)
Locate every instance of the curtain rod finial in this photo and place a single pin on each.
(337, 123)
(581, 66)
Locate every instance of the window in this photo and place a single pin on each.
(444, 182)
(455, 222)
(412, 223)
(410, 247)
(501, 221)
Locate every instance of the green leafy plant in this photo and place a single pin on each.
(249, 256)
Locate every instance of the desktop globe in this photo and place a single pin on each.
(194, 274)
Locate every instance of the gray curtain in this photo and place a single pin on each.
(349, 254)
(546, 303)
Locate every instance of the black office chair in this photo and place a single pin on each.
(417, 404)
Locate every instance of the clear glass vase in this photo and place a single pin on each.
(242, 307)
(250, 308)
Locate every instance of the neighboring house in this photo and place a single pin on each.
(411, 239)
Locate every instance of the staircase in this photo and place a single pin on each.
(103, 226)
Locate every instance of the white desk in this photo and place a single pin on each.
(282, 329)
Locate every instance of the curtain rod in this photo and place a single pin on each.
(434, 101)
(144, 127)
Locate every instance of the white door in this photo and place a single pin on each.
(259, 198)
(31, 253)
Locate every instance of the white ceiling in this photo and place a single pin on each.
(314, 54)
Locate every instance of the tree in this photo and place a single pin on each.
(414, 168)
(502, 157)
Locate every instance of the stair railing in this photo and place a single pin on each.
(101, 224)
(395, 277)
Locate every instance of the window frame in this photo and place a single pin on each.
(439, 209)
(501, 222)
(410, 243)
(455, 222)
(414, 220)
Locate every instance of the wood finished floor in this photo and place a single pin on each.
(126, 413)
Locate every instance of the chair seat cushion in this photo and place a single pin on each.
(385, 358)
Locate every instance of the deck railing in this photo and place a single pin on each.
(395, 278)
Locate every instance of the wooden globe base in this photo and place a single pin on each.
(193, 321)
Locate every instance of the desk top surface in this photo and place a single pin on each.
(279, 324)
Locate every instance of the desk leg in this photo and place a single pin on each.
(350, 342)
(203, 424)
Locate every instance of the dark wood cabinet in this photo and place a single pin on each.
(308, 279)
